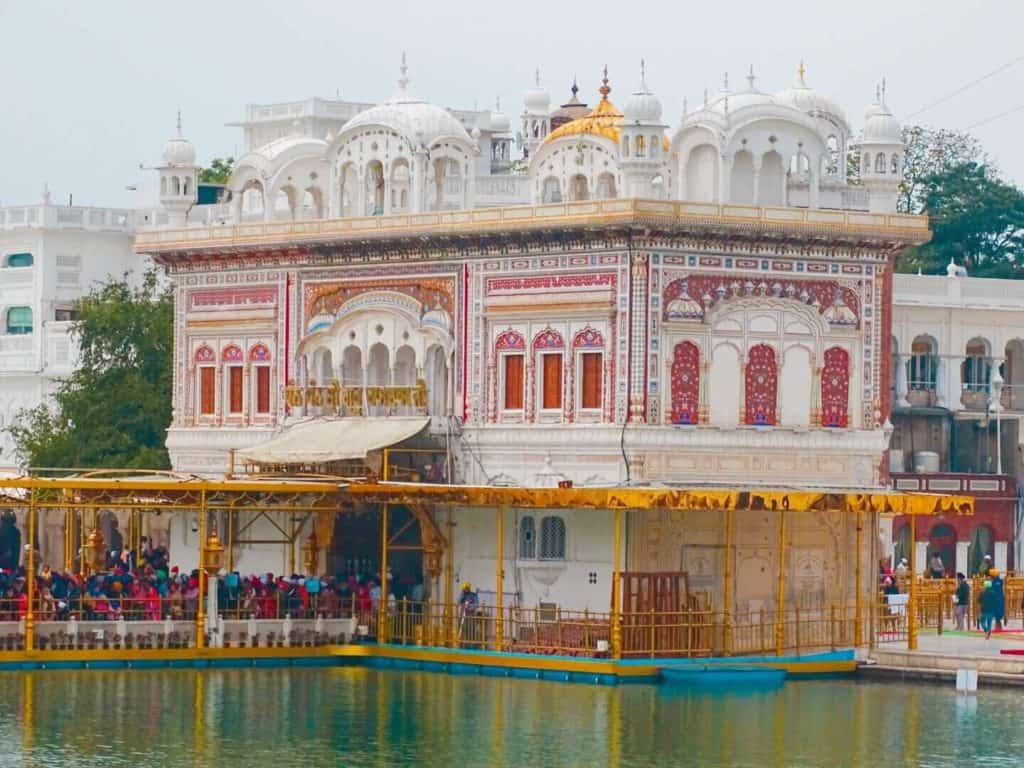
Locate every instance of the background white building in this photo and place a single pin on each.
(50, 256)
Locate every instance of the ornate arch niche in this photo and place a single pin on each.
(685, 383)
(761, 386)
(835, 388)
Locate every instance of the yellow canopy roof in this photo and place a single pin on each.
(321, 441)
(603, 120)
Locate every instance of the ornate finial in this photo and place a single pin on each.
(536, 76)
(705, 97)
(685, 110)
(643, 75)
(575, 88)
(604, 90)
(878, 93)
(725, 105)
(403, 80)
(725, 82)
(46, 193)
(497, 103)
(750, 78)
(179, 122)
(883, 90)
(801, 71)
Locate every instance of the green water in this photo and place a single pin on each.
(360, 717)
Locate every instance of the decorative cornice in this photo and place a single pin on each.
(531, 229)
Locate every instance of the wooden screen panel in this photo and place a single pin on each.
(207, 390)
(513, 382)
(590, 394)
(235, 389)
(263, 389)
(552, 382)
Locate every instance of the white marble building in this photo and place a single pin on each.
(50, 256)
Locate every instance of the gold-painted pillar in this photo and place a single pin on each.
(30, 573)
(728, 599)
(28, 719)
(617, 588)
(780, 600)
(912, 598)
(499, 580)
(231, 540)
(858, 601)
(201, 606)
(448, 576)
(382, 609)
(69, 539)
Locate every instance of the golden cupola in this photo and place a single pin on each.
(604, 120)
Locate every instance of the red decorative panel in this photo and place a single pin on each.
(219, 298)
(588, 338)
(835, 388)
(685, 383)
(510, 340)
(761, 386)
(548, 339)
(707, 290)
(205, 355)
(232, 354)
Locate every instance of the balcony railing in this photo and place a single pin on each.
(336, 399)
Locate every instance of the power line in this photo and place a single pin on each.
(967, 87)
(992, 119)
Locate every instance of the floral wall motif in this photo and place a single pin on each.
(327, 298)
(687, 298)
(761, 386)
(835, 388)
(685, 383)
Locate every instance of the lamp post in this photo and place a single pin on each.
(211, 556)
(94, 550)
(311, 554)
(995, 400)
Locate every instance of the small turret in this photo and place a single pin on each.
(881, 155)
(642, 156)
(179, 175)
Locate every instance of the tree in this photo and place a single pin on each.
(114, 410)
(928, 153)
(218, 172)
(977, 221)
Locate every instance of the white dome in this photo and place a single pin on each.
(179, 151)
(880, 127)
(499, 120)
(642, 106)
(415, 120)
(537, 100)
(806, 99)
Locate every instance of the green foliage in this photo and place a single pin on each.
(928, 153)
(977, 221)
(114, 410)
(218, 172)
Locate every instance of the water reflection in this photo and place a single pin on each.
(358, 717)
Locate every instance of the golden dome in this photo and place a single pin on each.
(603, 120)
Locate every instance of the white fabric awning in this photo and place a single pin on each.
(324, 440)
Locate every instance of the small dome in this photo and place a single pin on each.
(880, 127)
(179, 150)
(604, 120)
(801, 96)
(642, 106)
(499, 120)
(537, 100)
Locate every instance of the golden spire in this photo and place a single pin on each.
(604, 90)
(801, 71)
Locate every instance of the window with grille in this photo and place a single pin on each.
(527, 539)
(923, 365)
(19, 320)
(552, 538)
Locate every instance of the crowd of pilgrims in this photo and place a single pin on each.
(146, 587)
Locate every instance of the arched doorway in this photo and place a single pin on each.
(942, 542)
(981, 545)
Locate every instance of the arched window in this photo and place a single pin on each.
(527, 538)
(625, 146)
(510, 349)
(977, 367)
(605, 186)
(641, 146)
(832, 158)
(654, 146)
(894, 166)
(19, 320)
(923, 364)
(552, 538)
(175, 185)
(981, 545)
(552, 191)
(548, 347)
(866, 163)
(880, 162)
(19, 260)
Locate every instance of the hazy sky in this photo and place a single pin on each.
(90, 87)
